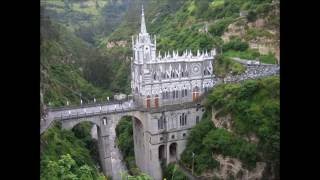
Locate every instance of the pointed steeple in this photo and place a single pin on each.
(143, 29)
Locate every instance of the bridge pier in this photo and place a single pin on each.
(104, 151)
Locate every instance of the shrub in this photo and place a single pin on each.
(235, 44)
(252, 16)
(218, 28)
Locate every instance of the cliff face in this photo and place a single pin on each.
(112, 44)
(229, 166)
(262, 34)
(233, 167)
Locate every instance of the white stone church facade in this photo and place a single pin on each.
(159, 80)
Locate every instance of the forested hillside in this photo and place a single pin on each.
(247, 29)
(239, 135)
(69, 154)
(64, 65)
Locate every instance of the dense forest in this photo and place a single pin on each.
(85, 54)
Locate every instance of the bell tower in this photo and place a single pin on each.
(144, 53)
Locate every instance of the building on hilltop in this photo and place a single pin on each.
(159, 80)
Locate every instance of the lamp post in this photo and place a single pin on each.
(192, 162)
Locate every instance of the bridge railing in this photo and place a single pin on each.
(93, 113)
(52, 109)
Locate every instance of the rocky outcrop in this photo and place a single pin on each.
(233, 167)
(234, 29)
(221, 121)
(121, 43)
(263, 44)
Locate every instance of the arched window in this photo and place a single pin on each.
(183, 119)
(161, 152)
(197, 119)
(195, 93)
(173, 152)
(104, 121)
(161, 122)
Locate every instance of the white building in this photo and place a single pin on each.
(171, 78)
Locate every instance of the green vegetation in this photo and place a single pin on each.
(251, 55)
(254, 108)
(253, 33)
(65, 154)
(235, 44)
(71, 68)
(224, 66)
(125, 143)
(172, 172)
(142, 176)
(203, 159)
(218, 28)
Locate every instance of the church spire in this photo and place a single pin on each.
(143, 23)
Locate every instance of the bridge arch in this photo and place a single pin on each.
(99, 121)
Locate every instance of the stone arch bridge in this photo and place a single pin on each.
(159, 134)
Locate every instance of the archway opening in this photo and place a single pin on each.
(162, 155)
(173, 152)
